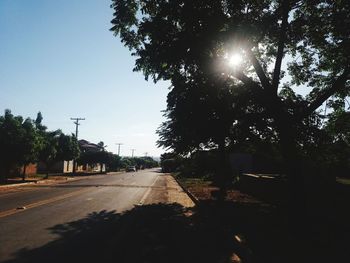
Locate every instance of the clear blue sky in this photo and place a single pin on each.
(60, 58)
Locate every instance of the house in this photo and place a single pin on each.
(59, 167)
(67, 166)
(30, 169)
(88, 147)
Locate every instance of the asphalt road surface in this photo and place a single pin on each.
(28, 216)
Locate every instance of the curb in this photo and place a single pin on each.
(42, 181)
(16, 185)
(51, 181)
(191, 196)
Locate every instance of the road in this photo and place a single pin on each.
(28, 217)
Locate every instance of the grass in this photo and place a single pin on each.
(344, 181)
(195, 182)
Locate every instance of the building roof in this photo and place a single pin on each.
(88, 146)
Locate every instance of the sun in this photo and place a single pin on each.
(235, 60)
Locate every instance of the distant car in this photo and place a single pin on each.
(131, 169)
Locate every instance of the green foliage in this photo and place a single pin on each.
(210, 104)
(147, 162)
(27, 141)
(113, 162)
(171, 162)
(93, 157)
(19, 142)
(139, 162)
(67, 148)
(49, 151)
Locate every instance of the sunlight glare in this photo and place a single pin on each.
(235, 60)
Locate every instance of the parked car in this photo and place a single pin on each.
(131, 169)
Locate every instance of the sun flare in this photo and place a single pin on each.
(235, 60)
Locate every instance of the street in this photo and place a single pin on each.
(29, 217)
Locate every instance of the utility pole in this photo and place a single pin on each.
(132, 152)
(76, 136)
(119, 147)
(146, 153)
(77, 124)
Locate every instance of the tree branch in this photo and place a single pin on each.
(271, 101)
(281, 43)
(245, 79)
(326, 93)
(259, 70)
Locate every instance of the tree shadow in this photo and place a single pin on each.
(211, 232)
(151, 233)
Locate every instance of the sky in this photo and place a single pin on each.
(60, 58)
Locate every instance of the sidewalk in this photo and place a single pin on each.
(14, 183)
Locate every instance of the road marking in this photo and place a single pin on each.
(40, 203)
(143, 199)
(58, 198)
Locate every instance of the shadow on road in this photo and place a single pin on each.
(152, 233)
(164, 233)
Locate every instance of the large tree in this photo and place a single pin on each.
(284, 45)
(19, 143)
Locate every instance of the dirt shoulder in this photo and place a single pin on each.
(264, 228)
(167, 190)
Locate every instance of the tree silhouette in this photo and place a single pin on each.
(284, 46)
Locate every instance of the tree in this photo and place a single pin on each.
(102, 156)
(149, 162)
(185, 39)
(27, 141)
(55, 145)
(171, 162)
(113, 162)
(49, 151)
(19, 143)
(94, 157)
(126, 161)
(67, 148)
(145, 162)
(199, 116)
(30, 146)
(205, 117)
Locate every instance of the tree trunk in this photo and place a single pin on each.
(296, 197)
(222, 176)
(74, 166)
(295, 210)
(3, 173)
(24, 172)
(286, 126)
(48, 166)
